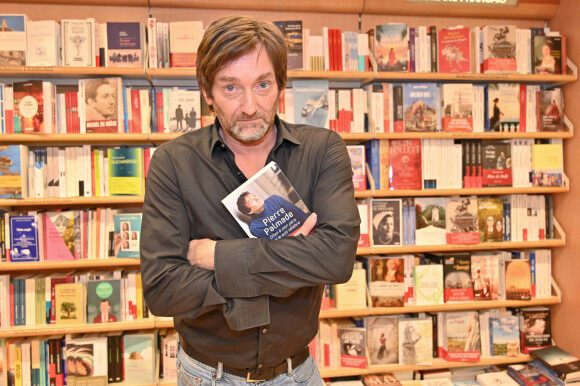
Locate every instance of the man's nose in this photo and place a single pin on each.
(249, 105)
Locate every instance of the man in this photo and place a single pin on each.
(245, 308)
(100, 103)
(105, 316)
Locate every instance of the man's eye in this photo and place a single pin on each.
(230, 88)
(263, 85)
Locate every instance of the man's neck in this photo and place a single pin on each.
(250, 158)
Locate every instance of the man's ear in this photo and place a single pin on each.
(208, 99)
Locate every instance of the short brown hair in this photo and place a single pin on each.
(230, 37)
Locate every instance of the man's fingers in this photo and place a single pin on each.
(308, 225)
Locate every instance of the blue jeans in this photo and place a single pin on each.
(193, 373)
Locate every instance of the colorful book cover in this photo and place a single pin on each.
(405, 164)
(551, 110)
(124, 45)
(526, 374)
(353, 346)
(457, 102)
(70, 303)
(125, 171)
(12, 40)
(535, 328)
(184, 111)
(564, 365)
(462, 221)
(392, 47)
(485, 276)
(458, 286)
(386, 281)
(365, 234)
(127, 234)
(454, 47)
(421, 106)
(462, 338)
(311, 102)
(503, 106)
(139, 355)
(103, 301)
(518, 279)
(184, 39)
(292, 32)
(490, 218)
(430, 225)
(547, 54)
(13, 171)
(387, 221)
(428, 284)
(86, 361)
(62, 235)
(377, 158)
(415, 341)
(497, 164)
(357, 162)
(28, 107)
(499, 49)
(382, 339)
(504, 335)
(266, 205)
(102, 110)
(547, 164)
(24, 242)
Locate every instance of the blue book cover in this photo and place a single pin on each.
(421, 107)
(311, 102)
(373, 159)
(24, 239)
(125, 111)
(127, 234)
(124, 44)
(504, 335)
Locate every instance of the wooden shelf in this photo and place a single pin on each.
(466, 191)
(70, 265)
(333, 372)
(474, 135)
(53, 329)
(70, 72)
(76, 139)
(72, 201)
(344, 312)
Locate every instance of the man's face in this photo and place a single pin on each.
(105, 307)
(388, 226)
(246, 96)
(104, 101)
(255, 204)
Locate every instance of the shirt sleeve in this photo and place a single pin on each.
(326, 256)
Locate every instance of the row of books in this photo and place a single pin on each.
(132, 357)
(71, 298)
(455, 220)
(382, 164)
(417, 339)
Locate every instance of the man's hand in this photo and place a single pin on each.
(201, 253)
(308, 225)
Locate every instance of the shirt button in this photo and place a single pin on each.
(260, 366)
(265, 330)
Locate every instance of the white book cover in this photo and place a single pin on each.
(311, 102)
(43, 43)
(430, 226)
(428, 284)
(13, 40)
(78, 42)
(184, 110)
(184, 38)
(415, 341)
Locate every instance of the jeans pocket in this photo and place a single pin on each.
(186, 379)
(305, 371)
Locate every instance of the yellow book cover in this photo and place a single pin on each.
(139, 290)
(353, 293)
(70, 303)
(547, 164)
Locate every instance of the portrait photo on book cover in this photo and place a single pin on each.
(386, 219)
(102, 103)
(267, 206)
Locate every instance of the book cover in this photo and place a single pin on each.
(353, 346)
(535, 328)
(357, 162)
(415, 341)
(503, 106)
(184, 110)
(365, 234)
(490, 218)
(457, 102)
(184, 39)
(29, 109)
(381, 379)
(70, 303)
(78, 42)
(504, 336)
(454, 47)
(386, 281)
(127, 234)
(353, 293)
(387, 221)
(311, 102)
(462, 221)
(405, 164)
(124, 45)
(430, 224)
(13, 40)
(428, 284)
(527, 375)
(13, 171)
(292, 32)
(139, 356)
(495, 378)
(461, 342)
(391, 47)
(125, 171)
(547, 164)
(102, 110)
(551, 110)
(497, 164)
(518, 279)
(420, 106)
(103, 301)
(499, 49)
(85, 360)
(266, 205)
(547, 54)
(61, 235)
(458, 286)
(43, 43)
(382, 339)
(24, 241)
(564, 365)
(485, 276)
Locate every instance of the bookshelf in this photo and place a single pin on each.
(530, 13)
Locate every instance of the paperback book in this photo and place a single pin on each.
(405, 164)
(391, 47)
(387, 221)
(497, 164)
(139, 356)
(104, 301)
(24, 240)
(503, 107)
(266, 205)
(311, 102)
(457, 100)
(102, 110)
(485, 274)
(292, 32)
(13, 171)
(563, 364)
(504, 336)
(499, 48)
(458, 286)
(124, 45)
(454, 47)
(62, 235)
(125, 171)
(535, 328)
(415, 341)
(551, 110)
(353, 342)
(547, 164)
(70, 303)
(421, 107)
(13, 40)
(127, 235)
(357, 162)
(490, 218)
(430, 225)
(386, 281)
(547, 54)
(518, 279)
(461, 337)
(78, 42)
(428, 284)
(382, 339)
(462, 220)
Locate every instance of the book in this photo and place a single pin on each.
(503, 106)
(428, 284)
(391, 48)
(34, 105)
(139, 356)
(415, 341)
(457, 101)
(485, 273)
(125, 165)
(564, 365)
(184, 39)
(382, 339)
(365, 234)
(462, 220)
(266, 205)
(386, 278)
(24, 238)
(458, 286)
(526, 375)
(43, 42)
(70, 303)
(495, 378)
(357, 162)
(405, 164)
(184, 110)
(124, 44)
(490, 218)
(387, 221)
(127, 236)
(78, 42)
(504, 336)
(499, 48)
(62, 239)
(547, 54)
(518, 279)
(535, 328)
(311, 102)
(547, 164)
(85, 358)
(100, 103)
(497, 163)
(103, 301)
(13, 171)
(292, 32)
(430, 223)
(551, 110)
(353, 293)
(13, 40)
(353, 345)
(461, 337)
(421, 107)
(381, 379)
(454, 50)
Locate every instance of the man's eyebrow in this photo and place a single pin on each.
(226, 78)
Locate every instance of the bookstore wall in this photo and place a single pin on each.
(113, 210)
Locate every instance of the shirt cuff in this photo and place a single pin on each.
(246, 313)
(231, 269)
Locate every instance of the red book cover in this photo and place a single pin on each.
(338, 50)
(454, 50)
(28, 107)
(11, 304)
(160, 117)
(523, 108)
(136, 111)
(405, 164)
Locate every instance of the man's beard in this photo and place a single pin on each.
(247, 133)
